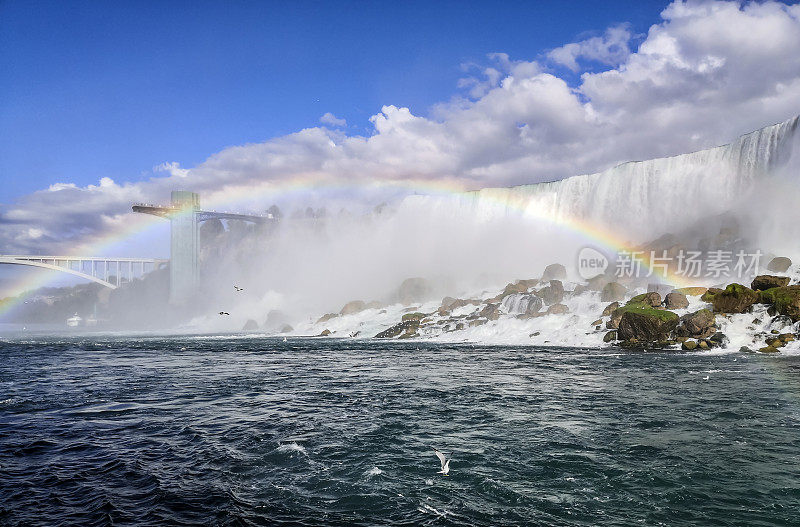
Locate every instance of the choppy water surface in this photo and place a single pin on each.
(262, 432)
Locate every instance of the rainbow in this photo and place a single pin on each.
(132, 224)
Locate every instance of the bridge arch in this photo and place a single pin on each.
(42, 263)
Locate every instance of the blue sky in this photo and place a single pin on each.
(111, 89)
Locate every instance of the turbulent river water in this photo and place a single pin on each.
(233, 431)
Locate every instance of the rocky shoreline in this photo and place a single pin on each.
(689, 318)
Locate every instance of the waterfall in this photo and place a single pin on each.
(634, 197)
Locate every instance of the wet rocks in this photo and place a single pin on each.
(552, 294)
(676, 300)
(554, 272)
(779, 264)
(612, 292)
(557, 309)
(250, 325)
(325, 333)
(784, 300)
(352, 307)
(610, 308)
(414, 290)
(652, 299)
(646, 325)
(405, 329)
(766, 281)
(490, 312)
(611, 336)
(698, 325)
(327, 317)
(736, 298)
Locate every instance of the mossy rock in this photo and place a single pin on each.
(646, 324)
(691, 291)
(611, 336)
(785, 300)
(651, 299)
(766, 281)
(689, 345)
(412, 316)
(405, 329)
(736, 298)
(769, 349)
(710, 293)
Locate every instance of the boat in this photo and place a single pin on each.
(74, 321)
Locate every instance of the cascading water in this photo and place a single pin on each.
(638, 198)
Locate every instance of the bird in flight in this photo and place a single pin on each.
(444, 461)
(223, 313)
(238, 288)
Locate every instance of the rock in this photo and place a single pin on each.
(612, 292)
(652, 299)
(531, 282)
(703, 345)
(768, 349)
(447, 302)
(412, 316)
(286, 328)
(610, 309)
(787, 337)
(610, 336)
(699, 324)
(709, 294)
(275, 319)
(689, 344)
(414, 290)
(675, 300)
(598, 282)
(719, 340)
(597, 322)
(515, 288)
(745, 349)
(736, 298)
(250, 325)
(779, 265)
(554, 272)
(405, 329)
(766, 281)
(691, 291)
(535, 334)
(355, 306)
(477, 322)
(557, 309)
(325, 333)
(491, 311)
(552, 294)
(534, 305)
(646, 324)
(327, 317)
(785, 300)
(775, 342)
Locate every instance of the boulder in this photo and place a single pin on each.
(642, 324)
(767, 281)
(785, 300)
(286, 328)
(710, 293)
(689, 344)
(598, 282)
(611, 336)
(250, 325)
(652, 299)
(327, 317)
(612, 292)
(769, 349)
(531, 282)
(736, 298)
(557, 309)
(325, 333)
(447, 302)
(512, 289)
(675, 300)
(554, 272)
(610, 309)
(355, 306)
(699, 325)
(491, 312)
(412, 316)
(414, 290)
(780, 264)
(552, 294)
(405, 329)
(691, 291)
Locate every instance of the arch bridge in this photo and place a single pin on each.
(109, 272)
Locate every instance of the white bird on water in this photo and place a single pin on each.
(444, 461)
(705, 378)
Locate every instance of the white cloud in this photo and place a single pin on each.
(332, 120)
(611, 49)
(706, 73)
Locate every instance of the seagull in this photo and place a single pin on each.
(444, 461)
(223, 313)
(705, 378)
(238, 288)
(284, 339)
